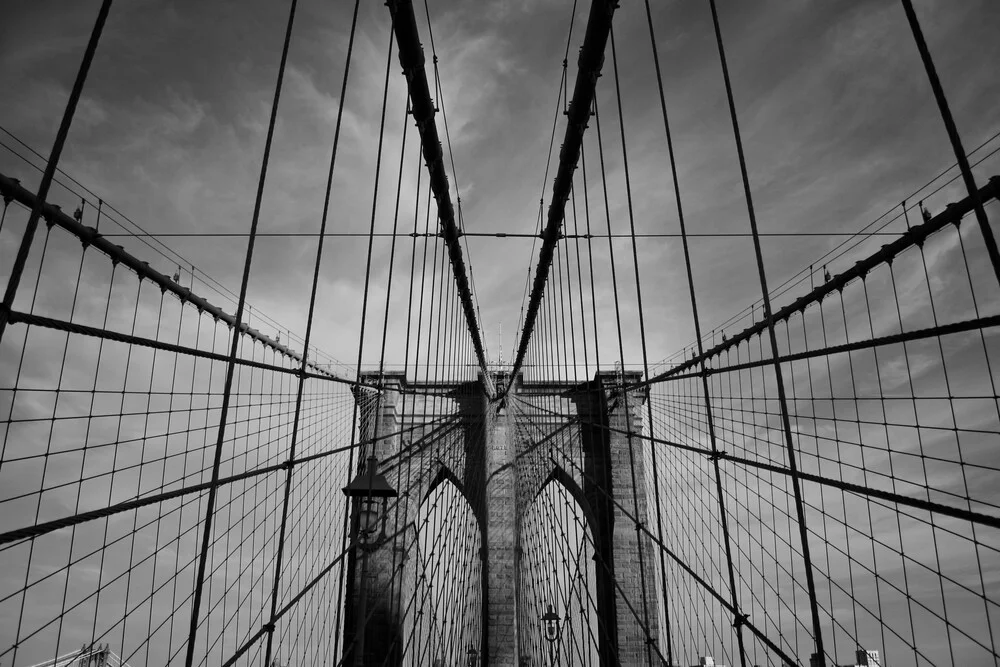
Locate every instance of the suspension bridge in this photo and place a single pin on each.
(185, 479)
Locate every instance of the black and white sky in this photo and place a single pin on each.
(837, 116)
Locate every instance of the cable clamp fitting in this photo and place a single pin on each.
(715, 456)
(740, 620)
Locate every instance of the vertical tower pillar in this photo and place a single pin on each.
(501, 543)
(375, 578)
(635, 576)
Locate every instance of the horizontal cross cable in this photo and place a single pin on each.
(10, 188)
(591, 60)
(760, 634)
(951, 215)
(963, 326)
(121, 337)
(38, 529)
(411, 58)
(858, 489)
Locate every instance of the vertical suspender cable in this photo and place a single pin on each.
(238, 327)
(356, 644)
(620, 381)
(701, 351)
(590, 63)
(308, 334)
(21, 259)
(645, 355)
(779, 379)
(955, 138)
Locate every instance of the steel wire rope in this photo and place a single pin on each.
(138, 489)
(621, 348)
(842, 249)
(395, 598)
(635, 520)
(565, 540)
(20, 260)
(210, 509)
(562, 91)
(55, 408)
(348, 509)
(609, 567)
(917, 503)
(310, 314)
(519, 426)
(451, 155)
(778, 376)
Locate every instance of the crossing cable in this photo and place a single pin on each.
(858, 489)
(575, 576)
(21, 259)
(309, 323)
(645, 355)
(394, 598)
(348, 549)
(954, 137)
(451, 156)
(951, 215)
(559, 108)
(90, 236)
(843, 248)
(873, 572)
(723, 513)
(428, 521)
(348, 508)
(533, 482)
(126, 223)
(590, 63)
(618, 326)
(590, 261)
(698, 579)
(411, 59)
(609, 567)
(580, 289)
(18, 640)
(447, 321)
(234, 349)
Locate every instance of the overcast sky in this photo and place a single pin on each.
(837, 117)
(838, 121)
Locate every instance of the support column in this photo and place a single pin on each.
(500, 544)
(382, 584)
(635, 577)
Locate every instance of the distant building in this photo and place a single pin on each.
(863, 658)
(707, 661)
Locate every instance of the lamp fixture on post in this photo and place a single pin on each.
(473, 656)
(551, 623)
(367, 489)
(370, 489)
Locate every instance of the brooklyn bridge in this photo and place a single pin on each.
(259, 406)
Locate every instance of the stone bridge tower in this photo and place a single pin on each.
(429, 433)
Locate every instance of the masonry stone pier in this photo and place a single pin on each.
(428, 433)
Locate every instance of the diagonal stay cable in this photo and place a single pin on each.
(411, 57)
(590, 63)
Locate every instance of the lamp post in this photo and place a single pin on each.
(473, 656)
(551, 623)
(368, 490)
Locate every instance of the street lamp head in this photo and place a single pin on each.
(370, 489)
(551, 622)
(473, 656)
